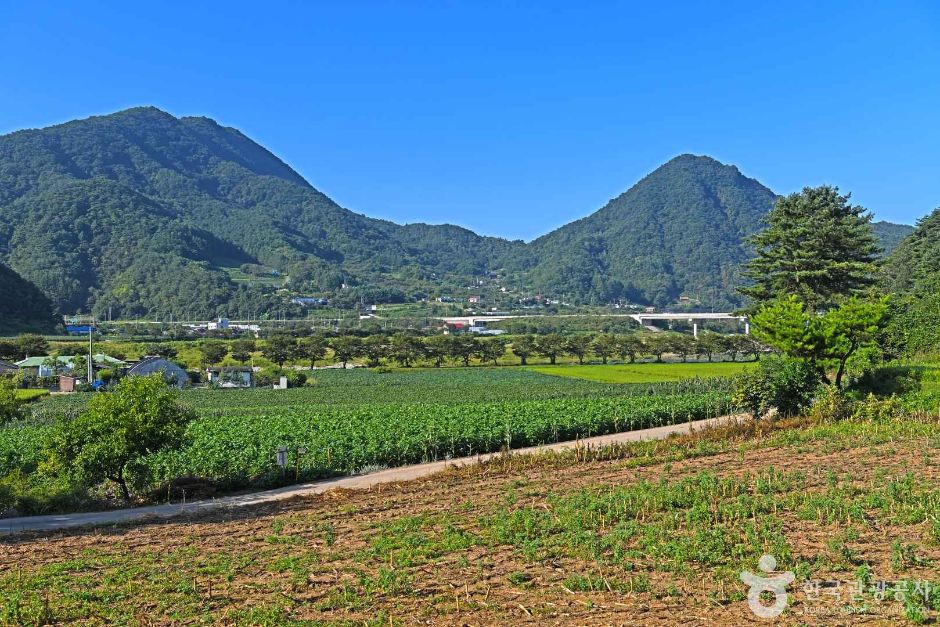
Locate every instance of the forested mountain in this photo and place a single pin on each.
(22, 306)
(679, 231)
(144, 213)
(147, 214)
(889, 235)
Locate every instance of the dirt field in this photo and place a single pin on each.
(647, 533)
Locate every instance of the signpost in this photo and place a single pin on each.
(281, 459)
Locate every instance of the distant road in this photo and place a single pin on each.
(356, 482)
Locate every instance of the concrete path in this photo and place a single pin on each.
(355, 482)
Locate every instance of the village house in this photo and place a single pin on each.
(230, 376)
(172, 373)
(42, 367)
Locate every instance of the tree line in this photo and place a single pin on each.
(407, 350)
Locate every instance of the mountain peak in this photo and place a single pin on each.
(697, 161)
(679, 231)
(142, 114)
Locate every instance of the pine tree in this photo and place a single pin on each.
(817, 247)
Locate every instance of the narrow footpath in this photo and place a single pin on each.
(355, 482)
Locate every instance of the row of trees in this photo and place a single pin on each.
(406, 350)
(26, 345)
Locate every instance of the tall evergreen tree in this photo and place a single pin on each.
(817, 247)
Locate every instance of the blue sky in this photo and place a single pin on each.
(510, 118)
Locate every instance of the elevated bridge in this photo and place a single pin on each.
(692, 318)
(642, 318)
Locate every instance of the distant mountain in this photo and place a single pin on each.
(679, 231)
(141, 213)
(890, 235)
(22, 306)
(149, 214)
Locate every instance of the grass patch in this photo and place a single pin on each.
(646, 372)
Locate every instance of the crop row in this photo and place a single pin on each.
(238, 450)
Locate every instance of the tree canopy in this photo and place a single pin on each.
(830, 339)
(817, 247)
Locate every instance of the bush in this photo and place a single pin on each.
(11, 407)
(878, 410)
(38, 493)
(786, 385)
(889, 380)
(832, 404)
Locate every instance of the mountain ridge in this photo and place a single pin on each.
(152, 214)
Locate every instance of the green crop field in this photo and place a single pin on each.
(31, 395)
(355, 420)
(645, 372)
(424, 386)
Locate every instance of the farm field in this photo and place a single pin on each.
(361, 386)
(641, 534)
(645, 372)
(355, 421)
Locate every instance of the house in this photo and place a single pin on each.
(172, 373)
(304, 301)
(219, 325)
(481, 330)
(474, 299)
(231, 376)
(41, 367)
(101, 361)
(7, 367)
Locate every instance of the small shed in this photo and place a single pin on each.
(68, 383)
(7, 367)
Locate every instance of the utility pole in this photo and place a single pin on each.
(91, 357)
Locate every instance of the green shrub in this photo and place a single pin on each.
(11, 407)
(786, 385)
(832, 405)
(878, 409)
(888, 380)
